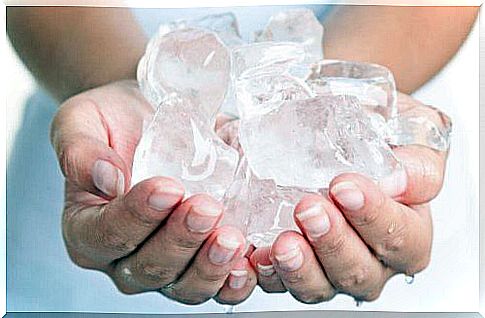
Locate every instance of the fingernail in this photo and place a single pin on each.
(165, 198)
(291, 260)
(223, 248)
(108, 179)
(394, 184)
(238, 278)
(314, 220)
(265, 270)
(348, 195)
(202, 218)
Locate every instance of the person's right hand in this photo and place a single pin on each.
(146, 238)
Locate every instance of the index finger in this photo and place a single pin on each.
(100, 234)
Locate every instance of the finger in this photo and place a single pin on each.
(299, 270)
(105, 233)
(268, 279)
(164, 257)
(422, 177)
(348, 263)
(400, 236)
(424, 168)
(239, 285)
(81, 141)
(210, 269)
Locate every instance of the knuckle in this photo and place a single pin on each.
(372, 295)
(295, 279)
(137, 214)
(188, 298)
(332, 246)
(124, 289)
(393, 244)
(420, 265)
(112, 242)
(272, 286)
(67, 160)
(109, 237)
(184, 243)
(372, 213)
(356, 280)
(314, 297)
(153, 275)
(225, 299)
(194, 301)
(80, 261)
(210, 277)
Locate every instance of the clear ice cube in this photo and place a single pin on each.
(225, 25)
(259, 58)
(190, 62)
(185, 74)
(306, 143)
(373, 85)
(260, 208)
(299, 26)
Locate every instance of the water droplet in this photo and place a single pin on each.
(358, 303)
(391, 228)
(409, 279)
(228, 309)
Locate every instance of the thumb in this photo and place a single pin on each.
(422, 177)
(80, 137)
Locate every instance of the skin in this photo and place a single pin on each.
(413, 42)
(115, 229)
(110, 227)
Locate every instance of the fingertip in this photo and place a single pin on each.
(166, 193)
(227, 245)
(307, 201)
(286, 252)
(108, 178)
(153, 199)
(394, 184)
(239, 284)
(425, 169)
(230, 236)
(240, 274)
(206, 203)
(261, 262)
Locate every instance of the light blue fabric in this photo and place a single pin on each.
(40, 275)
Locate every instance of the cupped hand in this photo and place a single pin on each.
(361, 233)
(145, 237)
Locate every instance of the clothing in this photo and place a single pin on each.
(41, 277)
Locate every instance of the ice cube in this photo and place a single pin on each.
(185, 74)
(300, 26)
(257, 58)
(306, 143)
(373, 85)
(259, 208)
(191, 62)
(225, 25)
(180, 144)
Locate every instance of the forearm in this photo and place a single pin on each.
(71, 49)
(414, 42)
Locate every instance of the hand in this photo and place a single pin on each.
(361, 233)
(146, 238)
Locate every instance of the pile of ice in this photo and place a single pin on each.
(302, 119)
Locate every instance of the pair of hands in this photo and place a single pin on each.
(149, 238)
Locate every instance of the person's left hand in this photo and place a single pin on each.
(360, 234)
